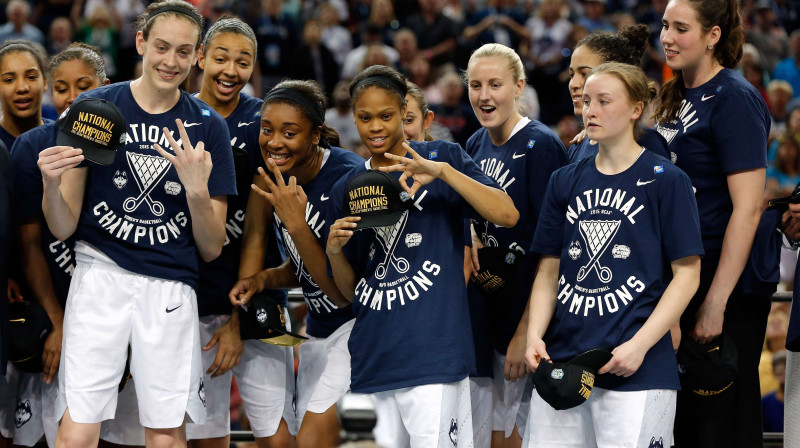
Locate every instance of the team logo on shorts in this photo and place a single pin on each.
(201, 392)
(261, 315)
(148, 172)
(172, 188)
(23, 413)
(120, 179)
(557, 374)
(453, 431)
(656, 443)
(413, 239)
(598, 236)
(621, 251)
(575, 250)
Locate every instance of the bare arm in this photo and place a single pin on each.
(746, 189)
(543, 305)
(62, 201)
(491, 203)
(685, 280)
(37, 273)
(258, 219)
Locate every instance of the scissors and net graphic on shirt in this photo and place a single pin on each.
(148, 172)
(388, 238)
(598, 236)
(292, 249)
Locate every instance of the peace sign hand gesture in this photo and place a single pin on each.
(192, 163)
(422, 170)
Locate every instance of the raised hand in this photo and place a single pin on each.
(192, 163)
(288, 201)
(341, 232)
(422, 170)
(54, 161)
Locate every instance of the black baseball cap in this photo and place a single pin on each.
(497, 275)
(29, 326)
(95, 126)
(566, 385)
(263, 319)
(708, 372)
(377, 198)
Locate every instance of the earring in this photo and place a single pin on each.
(710, 47)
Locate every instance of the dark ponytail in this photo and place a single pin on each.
(728, 51)
(627, 46)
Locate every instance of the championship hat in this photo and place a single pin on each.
(497, 275)
(377, 198)
(29, 326)
(708, 371)
(263, 319)
(783, 203)
(95, 126)
(566, 385)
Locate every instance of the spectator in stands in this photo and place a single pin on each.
(436, 33)
(453, 113)
(100, 29)
(422, 75)
(371, 36)
(314, 61)
(19, 13)
(779, 93)
(595, 18)
(772, 403)
(126, 10)
(277, 40)
(60, 36)
(787, 69)
(784, 174)
(500, 21)
(381, 15)
(405, 42)
(768, 36)
(340, 117)
(774, 343)
(334, 36)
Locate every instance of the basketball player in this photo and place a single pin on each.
(227, 61)
(520, 154)
(609, 226)
(302, 155)
(139, 226)
(406, 281)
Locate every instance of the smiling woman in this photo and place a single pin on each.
(143, 219)
(22, 85)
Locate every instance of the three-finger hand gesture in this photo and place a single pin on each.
(288, 200)
(192, 163)
(422, 170)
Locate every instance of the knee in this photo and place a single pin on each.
(307, 438)
(165, 438)
(74, 438)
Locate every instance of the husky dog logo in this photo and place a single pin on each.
(201, 392)
(621, 251)
(387, 237)
(120, 179)
(148, 172)
(292, 249)
(597, 235)
(23, 413)
(172, 188)
(656, 443)
(574, 250)
(454, 432)
(261, 315)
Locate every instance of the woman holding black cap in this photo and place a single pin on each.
(610, 227)
(409, 346)
(304, 161)
(139, 225)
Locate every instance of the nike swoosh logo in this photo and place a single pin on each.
(323, 198)
(703, 98)
(517, 156)
(188, 125)
(639, 182)
(246, 124)
(173, 309)
(22, 321)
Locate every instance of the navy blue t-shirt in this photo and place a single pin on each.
(616, 236)
(9, 139)
(218, 276)
(650, 140)
(522, 166)
(6, 195)
(412, 320)
(135, 209)
(722, 127)
(324, 317)
(25, 154)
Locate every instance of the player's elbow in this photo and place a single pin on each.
(507, 215)
(209, 254)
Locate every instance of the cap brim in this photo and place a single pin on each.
(592, 359)
(285, 339)
(92, 154)
(388, 219)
